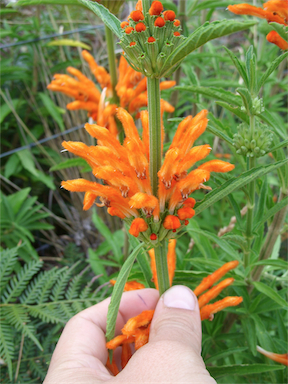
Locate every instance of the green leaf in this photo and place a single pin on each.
(214, 93)
(110, 20)
(78, 162)
(240, 67)
(261, 204)
(5, 108)
(246, 98)
(220, 134)
(117, 293)
(268, 291)
(235, 110)
(271, 212)
(106, 233)
(278, 263)
(236, 183)
(268, 118)
(282, 144)
(271, 69)
(215, 239)
(169, 5)
(249, 329)
(7, 347)
(223, 354)
(242, 369)
(69, 43)
(18, 198)
(52, 109)
(202, 35)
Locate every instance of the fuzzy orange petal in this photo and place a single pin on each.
(208, 310)
(214, 292)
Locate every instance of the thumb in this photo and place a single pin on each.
(177, 319)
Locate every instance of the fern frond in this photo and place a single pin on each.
(61, 285)
(72, 291)
(20, 281)
(17, 316)
(48, 314)
(8, 259)
(66, 310)
(7, 345)
(39, 289)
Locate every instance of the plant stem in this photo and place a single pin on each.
(146, 5)
(250, 205)
(162, 269)
(154, 111)
(112, 61)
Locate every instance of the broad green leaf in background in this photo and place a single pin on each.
(282, 144)
(69, 43)
(52, 109)
(268, 291)
(223, 354)
(17, 199)
(78, 162)
(110, 20)
(278, 263)
(5, 109)
(271, 69)
(202, 35)
(236, 183)
(117, 293)
(28, 163)
(271, 212)
(107, 234)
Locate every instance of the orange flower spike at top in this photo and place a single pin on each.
(208, 281)
(171, 222)
(156, 8)
(278, 6)
(279, 358)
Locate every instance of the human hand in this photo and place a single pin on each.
(173, 354)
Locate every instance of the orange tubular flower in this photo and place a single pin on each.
(131, 87)
(282, 359)
(130, 285)
(136, 15)
(273, 11)
(169, 15)
(136, 330)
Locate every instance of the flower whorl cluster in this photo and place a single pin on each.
(252, 144)
(148, 39)
(131, 90)
(126, 188)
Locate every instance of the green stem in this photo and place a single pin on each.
(146, 4)
(251, 204)
(112, 62)
(154, 111)
(162, 269)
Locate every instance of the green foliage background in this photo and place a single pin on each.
(57, 260)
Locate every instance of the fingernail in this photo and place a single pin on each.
(179, 297)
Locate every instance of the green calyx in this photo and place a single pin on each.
(148, 42)
(252, 144)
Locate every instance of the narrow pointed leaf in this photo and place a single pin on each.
(202, 35)
(271, 69)
(268, 291)
(69, 43)
(110, 20)
(117, 293)
(236, 183)
(242, 369)
(23, 3)
(235, 110)
(220, 134)
(240, 66)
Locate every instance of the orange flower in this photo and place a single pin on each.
(136, 330)
(138, 225)
(156, 8)
(130, 285)
(169, 15)
(273, 11)
(282, 359)
(131, 87)
(136, 15)
(125, 171)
